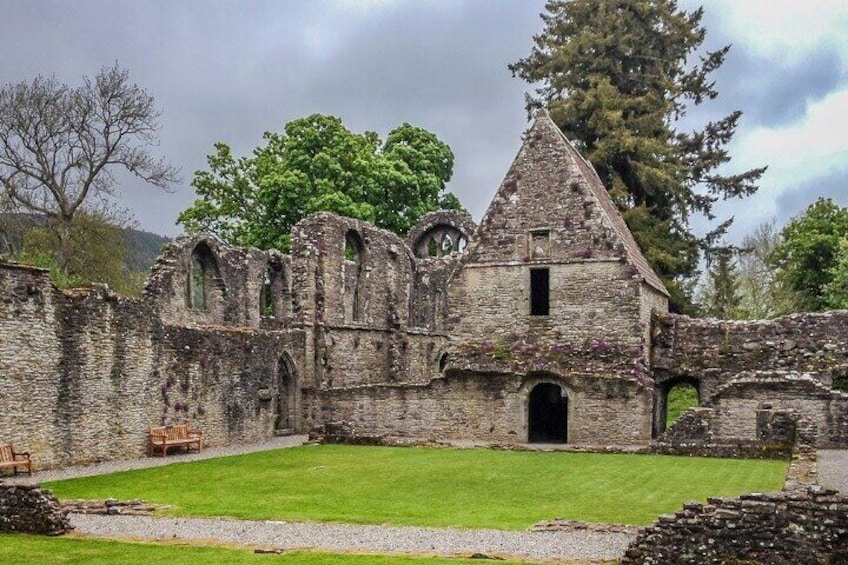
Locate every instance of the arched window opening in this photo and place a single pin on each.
(353, 266)
(204, 288)
(284, 404)
(441, 240)
(432, 247)
(447, 244)
(548, 414)
(197, 283)
(268, 307)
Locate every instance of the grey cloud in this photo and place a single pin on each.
(770, 90)
(794, 201)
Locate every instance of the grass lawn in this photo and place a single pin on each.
(35, 550)
(471, 488)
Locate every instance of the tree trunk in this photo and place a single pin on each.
(65, 251)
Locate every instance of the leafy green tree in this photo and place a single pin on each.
(618, 76)
(836, 291)
(60, 146)
(319, 165)
(808, 255)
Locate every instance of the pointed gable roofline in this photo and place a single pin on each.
(610, 210)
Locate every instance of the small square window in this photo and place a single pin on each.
(540, 244)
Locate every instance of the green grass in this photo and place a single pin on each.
(35, 550)
(432, 487)
(680, 399)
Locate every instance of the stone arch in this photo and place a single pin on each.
(204, 283)
(661, 394)
(354, 265)
(443, 233)
(285, 402)
(439, 241)
(548, 409)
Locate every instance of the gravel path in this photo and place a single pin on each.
(833, 468)
(131, 464)
(377, 539)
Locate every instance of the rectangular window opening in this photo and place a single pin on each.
(540, 290)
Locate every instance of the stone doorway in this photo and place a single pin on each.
(548, 414)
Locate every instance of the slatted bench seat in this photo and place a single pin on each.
(11, 459)
(177, 435)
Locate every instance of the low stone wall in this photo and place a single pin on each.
(29, 509)
(801, 527)
(802, 524)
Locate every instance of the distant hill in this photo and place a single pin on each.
(140, 247)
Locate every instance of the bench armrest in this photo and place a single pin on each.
(24, 454)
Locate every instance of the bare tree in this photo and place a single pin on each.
(60, 145)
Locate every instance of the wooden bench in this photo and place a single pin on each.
(177, 435)
(9, 458)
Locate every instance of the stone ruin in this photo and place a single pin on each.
(544, 323)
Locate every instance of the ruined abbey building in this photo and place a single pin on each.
(542, 324)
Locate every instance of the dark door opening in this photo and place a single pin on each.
(548, 414)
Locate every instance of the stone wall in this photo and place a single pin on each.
(745, 412)
(487, 406)
(29, 509)
(805, 526)
(83, 374)
(714, 351)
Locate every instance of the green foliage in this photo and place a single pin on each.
(680, 399)
(809, 257)
(432, 487)
(319, 165)
(98, 256)
(617, 76)
(836, 290)
(41, 549)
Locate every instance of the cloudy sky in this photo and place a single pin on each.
(228, 71)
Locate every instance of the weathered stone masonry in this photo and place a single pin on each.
(543, 323)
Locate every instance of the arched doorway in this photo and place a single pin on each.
(673, 398)
(283, 406)
(548, 414)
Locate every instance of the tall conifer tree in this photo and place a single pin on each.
(618, 76)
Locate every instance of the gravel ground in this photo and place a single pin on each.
(377, 539)
(131, 464)
(833, 469)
